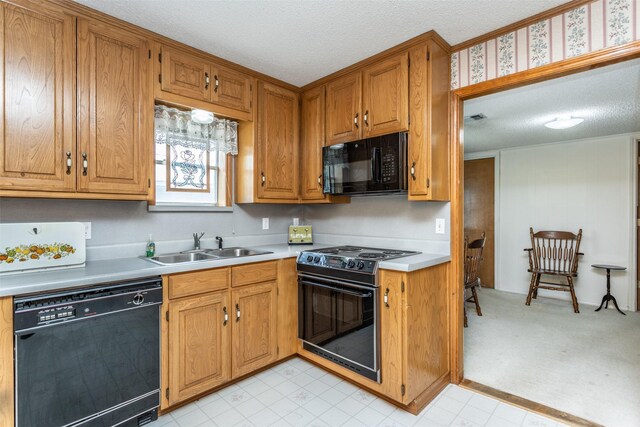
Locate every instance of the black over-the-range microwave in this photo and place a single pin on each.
(369, 166)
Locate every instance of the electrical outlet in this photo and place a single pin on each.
(439, 225)
(87, 230)
(296, 221)
(265, 223)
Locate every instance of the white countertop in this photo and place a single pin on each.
(113, 270)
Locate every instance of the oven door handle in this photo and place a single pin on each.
(342, 291)
(321, 280)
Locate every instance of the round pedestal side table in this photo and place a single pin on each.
(608, 297)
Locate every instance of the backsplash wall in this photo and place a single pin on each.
(392, 221)
(127, 225)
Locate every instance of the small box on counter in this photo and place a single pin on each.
(300, 235)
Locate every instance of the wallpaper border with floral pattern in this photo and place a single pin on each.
(594, 26)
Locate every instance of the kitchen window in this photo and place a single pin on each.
(193, 160)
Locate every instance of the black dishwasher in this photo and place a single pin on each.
(89, 356)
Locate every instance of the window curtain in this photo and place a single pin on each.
(174, 127)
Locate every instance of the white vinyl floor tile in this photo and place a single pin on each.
(296, 393)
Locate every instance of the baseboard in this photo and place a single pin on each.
(528, 405)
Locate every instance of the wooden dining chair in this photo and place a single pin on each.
(472, 260)
(554, 253)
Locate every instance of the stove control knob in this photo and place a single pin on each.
(351, 263)
(360, 265)
(309, 258)
(316, 259)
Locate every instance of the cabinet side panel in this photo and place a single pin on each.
(287, 307)
(427, 328)
(6, 362)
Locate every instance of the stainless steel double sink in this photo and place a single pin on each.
(204, 255)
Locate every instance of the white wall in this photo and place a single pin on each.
(586, 184)
(391, 221)
(125, 226)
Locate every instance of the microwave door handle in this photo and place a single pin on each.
(376, 165)
(340, 290)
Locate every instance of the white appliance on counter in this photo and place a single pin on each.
(41, 245)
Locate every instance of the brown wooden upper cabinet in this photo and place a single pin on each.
(37, 141)
(194, 77)
(311, 144)
(57, 138)
(374, 101)
(428, 152)
(114, 105)
(277, 143)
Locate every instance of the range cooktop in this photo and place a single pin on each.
(350, 258)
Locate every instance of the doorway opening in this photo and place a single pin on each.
(568, 180)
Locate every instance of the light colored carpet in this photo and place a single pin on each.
(586, 364)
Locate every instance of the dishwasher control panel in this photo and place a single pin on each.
(43, 310)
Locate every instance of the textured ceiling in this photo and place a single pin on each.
(303, 40)
(607, 98)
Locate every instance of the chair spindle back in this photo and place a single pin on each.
(555, 251)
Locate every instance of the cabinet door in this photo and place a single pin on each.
(312, 134)
(199, 338)
(392, 307)
(419, 151)
(37, 120)
(254, 327)
(231, 88)
(114, 109)
(185, 75)
(277, 143)
(344, 121)
(385, 104)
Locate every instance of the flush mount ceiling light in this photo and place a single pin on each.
(564, 122)
(201, 116)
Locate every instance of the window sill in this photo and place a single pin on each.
(188, 208)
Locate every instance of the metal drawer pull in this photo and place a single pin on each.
(237, 313)
(226, 316)
(355, 120)
(386, 298)
(215, 88)
(413, 171)
(69, 163)
(366, 118)
(206, 80)
(85, 164)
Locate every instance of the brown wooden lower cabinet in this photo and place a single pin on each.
(199, 338)
(254, 328)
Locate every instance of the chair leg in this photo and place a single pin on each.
(466, 323)
(531, 285)
(574, 300)
(474, 292)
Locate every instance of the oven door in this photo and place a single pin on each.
(338, 320)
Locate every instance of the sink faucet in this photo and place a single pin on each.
(196, 240)
(219, 239)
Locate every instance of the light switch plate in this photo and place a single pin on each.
(296, 221)
(265, 223)
(439, 225)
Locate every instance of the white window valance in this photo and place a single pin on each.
(174, 127)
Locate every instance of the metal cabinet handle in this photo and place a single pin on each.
(386, 298)
(85, 164)
(225, 316)
(320, 180)
(413, 171)
(69, 162)
(355, 120)
(217, 83)
(237, 313)
(366, 118)
(263, 179)
(206, 80)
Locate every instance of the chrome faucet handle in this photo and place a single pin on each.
(219, 239)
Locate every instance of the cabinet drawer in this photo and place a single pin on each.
(185, 284)
(253, 273)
